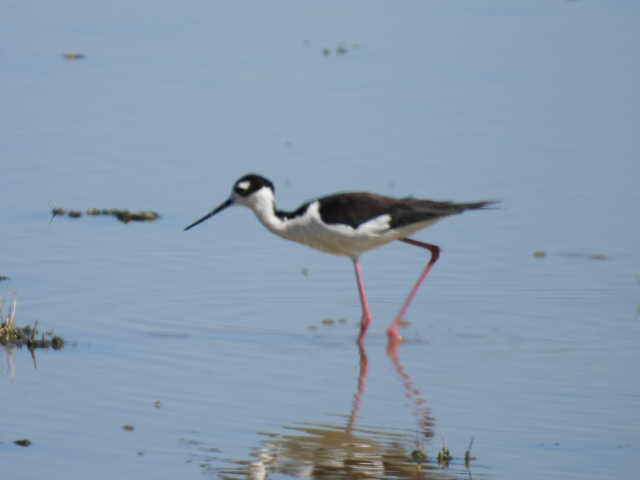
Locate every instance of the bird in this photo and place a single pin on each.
(348, 224)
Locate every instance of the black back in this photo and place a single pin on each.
(356, 208)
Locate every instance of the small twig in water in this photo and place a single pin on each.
(467, 454)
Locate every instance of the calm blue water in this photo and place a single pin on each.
(534, 104)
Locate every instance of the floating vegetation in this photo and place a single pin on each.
(73, 56)
(340, 49)
(539, 254)
(419, 455)
(23, 442)
(125, 216)
(29, 336)
(444, 456)
(586, 256)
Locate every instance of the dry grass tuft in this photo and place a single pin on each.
(29, 336)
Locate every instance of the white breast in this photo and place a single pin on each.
(336, 238)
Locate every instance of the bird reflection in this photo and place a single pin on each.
(420, 411)
(346, 451)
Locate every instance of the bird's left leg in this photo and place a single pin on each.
(366, 314)
(392, 331)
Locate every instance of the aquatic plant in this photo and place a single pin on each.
(29, 336)
(125, 216)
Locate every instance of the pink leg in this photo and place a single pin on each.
(366, 314)
(392, 331)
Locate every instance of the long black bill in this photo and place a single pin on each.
(226, 204)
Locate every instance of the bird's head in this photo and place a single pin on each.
(251, 190)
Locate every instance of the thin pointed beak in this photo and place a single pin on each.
(226, 204)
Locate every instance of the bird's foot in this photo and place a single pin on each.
(394, 336)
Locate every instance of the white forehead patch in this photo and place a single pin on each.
(244, 185)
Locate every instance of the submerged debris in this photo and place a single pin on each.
(23, 442)
(125, 216)
(3, 277)
(574, 255)
(340, 49)
(128, 428)
(29, 336)
(73, 56)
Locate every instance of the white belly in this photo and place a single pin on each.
(342, 239)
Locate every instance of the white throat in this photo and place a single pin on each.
(262, 202)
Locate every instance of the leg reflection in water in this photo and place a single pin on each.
(362, 379)
(346, 451)
(420, 411)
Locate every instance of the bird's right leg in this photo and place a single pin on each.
(366, 313)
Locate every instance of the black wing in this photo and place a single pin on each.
(356, 208)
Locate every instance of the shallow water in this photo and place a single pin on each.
(211, 343)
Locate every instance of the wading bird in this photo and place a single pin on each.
(347, 224)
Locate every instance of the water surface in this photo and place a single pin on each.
(211, 344)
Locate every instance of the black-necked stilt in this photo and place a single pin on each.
(347, 224)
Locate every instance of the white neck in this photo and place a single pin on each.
(263, 205)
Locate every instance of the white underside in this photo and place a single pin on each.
(345, 240)
(337, 239)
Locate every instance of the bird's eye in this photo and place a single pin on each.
(243, 186)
